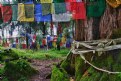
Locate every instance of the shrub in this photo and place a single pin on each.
(14, 70)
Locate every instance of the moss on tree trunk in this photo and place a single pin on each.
(84, 72)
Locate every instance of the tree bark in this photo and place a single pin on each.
(88, 31)
(79, 30)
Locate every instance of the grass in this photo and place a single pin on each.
(42, 54)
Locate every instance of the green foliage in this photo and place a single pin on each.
(91, 75)
(42, 54)
(79, 64)
(17, 69)
(69, 65)
(109, 61)
(23, 79)
(59, 74)
(5, 79)
(104, 77)
(8, 55)
(66, 64)
(1, 71)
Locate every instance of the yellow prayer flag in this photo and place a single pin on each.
(112, 3)
(52, 9)
(21, 14)
(118, 1)
(46, 1)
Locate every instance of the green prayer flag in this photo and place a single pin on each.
(14, 12)
(46, 8)
(58, 1)
(96, 9)
(29, 10)
(60, 8)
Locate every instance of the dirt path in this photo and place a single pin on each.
(44, 67)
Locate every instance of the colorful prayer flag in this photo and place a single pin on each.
(21, 14)
(38, 14)
(65, 17)
(46, 8)
(46, 1)
(113, 3)
(6, 13)
(14, 12)
(96, 9)
(78, 10)
(60, 8)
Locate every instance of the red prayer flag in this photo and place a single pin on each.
(73, 0)
(70, 0)
(6, 13)
(0, 12)
(78, 10)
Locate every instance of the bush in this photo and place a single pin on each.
(8, 55)
(59, 74)
(15, 70)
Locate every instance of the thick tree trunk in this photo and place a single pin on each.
(109, 21)
(79, 30)
(119, 17)
(102, 27)
(88, 32)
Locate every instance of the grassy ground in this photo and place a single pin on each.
(43, 54)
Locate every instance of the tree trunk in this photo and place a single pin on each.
(75, 65)
(79, 30)
(88, 31)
